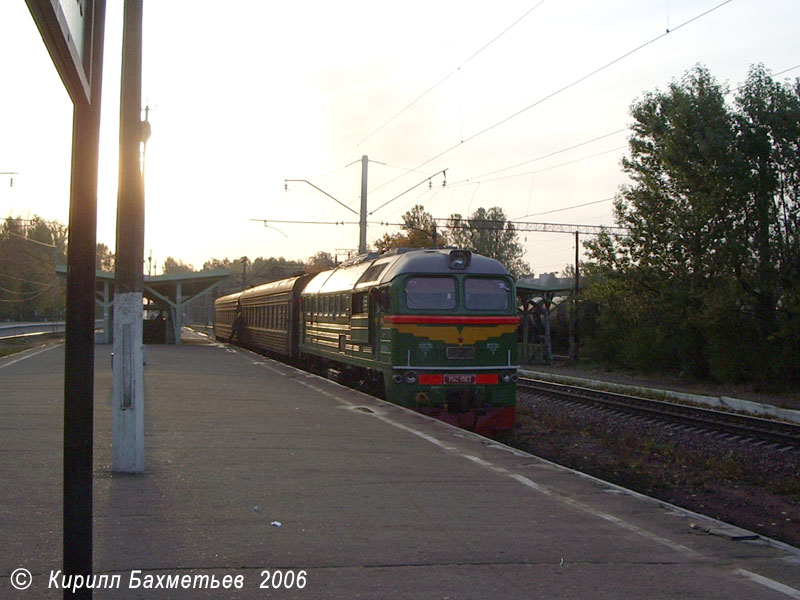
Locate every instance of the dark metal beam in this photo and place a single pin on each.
(79, 337)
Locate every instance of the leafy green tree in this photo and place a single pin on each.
(104, 259)
(321, 261)
(488, 232)
(215, 264)
(264, 270)
(708, 273)
(29, 251)
(768, 266)
(418, 230)
(172, 266)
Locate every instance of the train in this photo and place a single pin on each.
(433, 330)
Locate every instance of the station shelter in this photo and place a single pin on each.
(535, 299)
(166, 299)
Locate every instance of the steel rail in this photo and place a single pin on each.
(780, 432)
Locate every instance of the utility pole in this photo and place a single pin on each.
(362, 222)
(573, 340)
(128, 388)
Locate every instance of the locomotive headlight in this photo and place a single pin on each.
(460, 259)
(397, 378)
(509, 378)
(411, 377)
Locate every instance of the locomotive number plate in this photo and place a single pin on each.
(460, 352)
(459, 378)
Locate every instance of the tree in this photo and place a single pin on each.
(706, 273)
(768, 124)
(418, 230)
(172, 266)
(321, 261)
(104, 260)
(264, 270)
(683, 167)
(215, 264)
(29, 252)
(487, 232)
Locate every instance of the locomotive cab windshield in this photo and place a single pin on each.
(430, 293)
(486, 294)
(442, 293)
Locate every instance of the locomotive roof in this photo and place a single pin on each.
(437, 261)
(369, 270)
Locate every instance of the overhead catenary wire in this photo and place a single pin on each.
(474, 179)
(444, 79)
(443, 172)
(19, 300)
(549, 212)
(295, 222)
(513, 115)
(25, 280)
(27, 239)
(779, 73)
(548, 155)
(417, 198)
(339, 202)
(550, 168)
(563, 89)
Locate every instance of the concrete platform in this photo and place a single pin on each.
(254, 466)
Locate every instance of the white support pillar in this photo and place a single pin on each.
(106, 310)
(128, 385)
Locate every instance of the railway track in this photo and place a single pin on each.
(785, 435)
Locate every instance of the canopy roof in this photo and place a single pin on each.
(159, 287)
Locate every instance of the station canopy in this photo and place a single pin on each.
(535, 297)
(169, 293)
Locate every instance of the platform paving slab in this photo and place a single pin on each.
(254, 466)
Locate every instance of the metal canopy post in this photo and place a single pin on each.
(178, 321)
(176, 307)
(106, 304)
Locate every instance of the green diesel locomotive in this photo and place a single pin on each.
(431, 330)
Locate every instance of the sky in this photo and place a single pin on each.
(524, 103)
